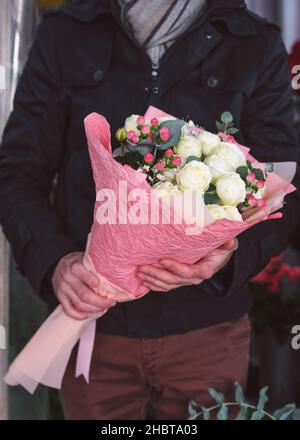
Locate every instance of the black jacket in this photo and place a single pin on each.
(83, 61)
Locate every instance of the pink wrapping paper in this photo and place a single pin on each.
(113, 253)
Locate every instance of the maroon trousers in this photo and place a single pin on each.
(135, 379)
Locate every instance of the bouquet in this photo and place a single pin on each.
(173, 190)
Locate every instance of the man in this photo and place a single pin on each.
(117, 58)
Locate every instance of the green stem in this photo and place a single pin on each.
(230, 404)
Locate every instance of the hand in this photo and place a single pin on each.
(73, 285)
(173, 274)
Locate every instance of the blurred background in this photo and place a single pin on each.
(276, 290)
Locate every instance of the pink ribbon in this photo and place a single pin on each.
(85, 351)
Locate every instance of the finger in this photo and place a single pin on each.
(91, 298)
(159, 284)
(89, 279)
(154, 288)
(160, 274)
(230, 245)
(79, 305)
(71, 311)
(185, 271)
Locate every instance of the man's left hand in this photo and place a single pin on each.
(172, 274)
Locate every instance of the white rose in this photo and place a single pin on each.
(232, 213)
(188, 146)
(194, 176)
(170, 174)
(232, 154)
(131, 124)
(209, 142)
(165, 189)
(231, 189)
(218, 166)
(217, 211)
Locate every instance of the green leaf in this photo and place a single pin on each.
(243, 172)
(243, 414)
(263, 398)
(249, 165)
(269, 167)
(217, 396)
(285, 412)
(226, 118)
(258, 174)
(191, 158)
(220, 126)
(175, 127)
(223, 413)
(239, 394)
(211, 199)
(257, 415)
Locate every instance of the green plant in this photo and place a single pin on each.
(245, 410)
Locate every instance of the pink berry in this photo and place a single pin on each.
(150, 137)
(251, 177)
(176, 161)
(260, 184)
(145, 129)
(252, 200)
(130, 134)
(135, 139)
(141, 120)
(160, 166)
(149, 158)
(261, 203)
(154, 122)
(169, 152)
(164, 134)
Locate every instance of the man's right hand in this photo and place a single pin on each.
(73, 285)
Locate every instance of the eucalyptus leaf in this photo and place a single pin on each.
(191, 409)
(217, 396)
(226, 117)
(205, 413)
(263, 398)
(191, 158)
(220, 126)
(239, 394)
(285, 412)
(257, 415)
(269, 167)
(140, 148)
(223, 413)
(174, 127)
(296, 414)
(233, 130)
(243, 413)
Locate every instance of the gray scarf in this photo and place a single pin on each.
(156, 24)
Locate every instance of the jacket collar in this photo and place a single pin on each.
(89, 10)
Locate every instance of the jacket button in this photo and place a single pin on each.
(212, 82)
(98, 75)
(155, 90)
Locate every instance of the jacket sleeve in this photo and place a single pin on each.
(31, 154)
(268, 129)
